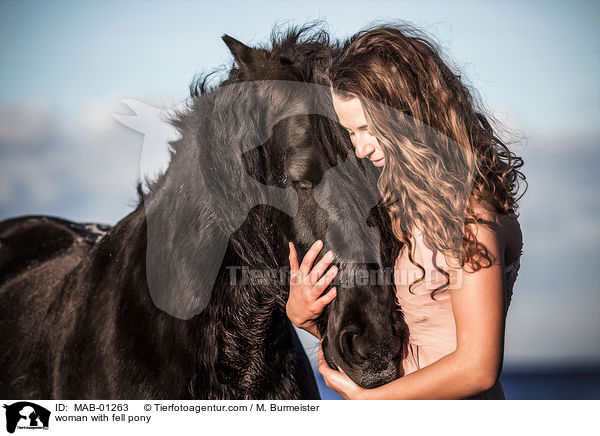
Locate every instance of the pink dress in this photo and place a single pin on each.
(431, 323)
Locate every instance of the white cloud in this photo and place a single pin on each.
(27, 123)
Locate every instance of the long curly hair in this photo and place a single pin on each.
(443, 157)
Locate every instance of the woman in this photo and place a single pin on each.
(450, 186)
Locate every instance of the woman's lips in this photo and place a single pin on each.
(379, 162)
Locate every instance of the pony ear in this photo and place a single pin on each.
(242, 54)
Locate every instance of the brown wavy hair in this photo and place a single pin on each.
(443, 156)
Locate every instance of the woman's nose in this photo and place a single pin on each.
(363, 146)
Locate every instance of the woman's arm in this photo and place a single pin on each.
(474, 366)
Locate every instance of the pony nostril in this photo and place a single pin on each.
(349, 344)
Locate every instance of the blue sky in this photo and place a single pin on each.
(518, 52)
(65, 66)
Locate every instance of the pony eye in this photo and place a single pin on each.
(302, 184)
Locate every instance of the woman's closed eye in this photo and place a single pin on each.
(368, 132)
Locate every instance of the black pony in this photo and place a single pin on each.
(185, 296)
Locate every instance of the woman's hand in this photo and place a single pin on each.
(339, 381)
(305, 302)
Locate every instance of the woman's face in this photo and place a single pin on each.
(352, 118)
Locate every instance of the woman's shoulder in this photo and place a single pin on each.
(505, 229)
